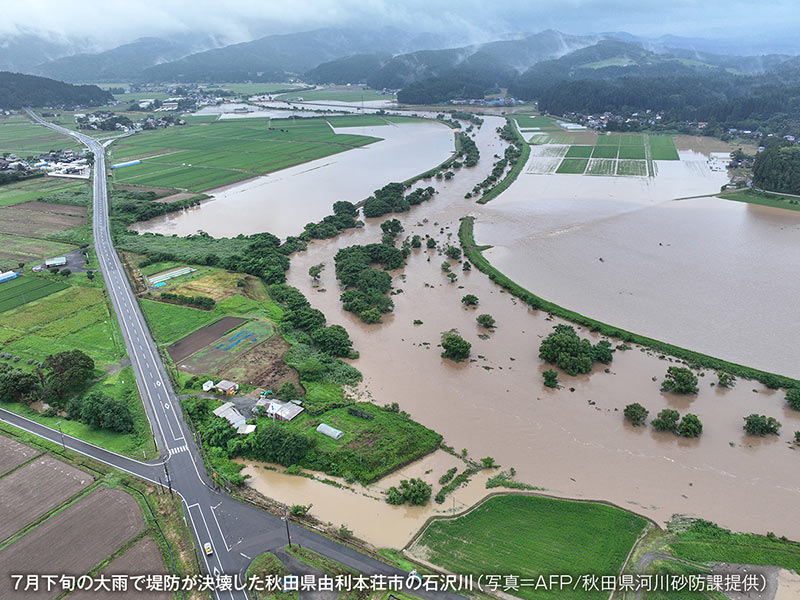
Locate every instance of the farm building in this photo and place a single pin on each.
(55, 262)
(227, 388)
(8, 276)
(233, 416)
(283, 411)
(331, 432)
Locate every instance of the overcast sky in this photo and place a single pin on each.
(111, 22)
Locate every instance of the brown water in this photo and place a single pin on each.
(574, 443)
(362, 508)
(708, 274)
(284, 201)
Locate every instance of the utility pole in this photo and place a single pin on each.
(63, 445)
(286, 520)
(169, 481)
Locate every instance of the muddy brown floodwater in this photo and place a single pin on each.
(284, 201)
(572, 441)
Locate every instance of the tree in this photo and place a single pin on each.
(793, 398)
(679, 380)
(416, 491)
(333, 340)
(392, 227)
(287, 391)
(565, 349)
(469, 300)
(416, 242)
(797, 437)
(300, 510)
(667, 420)
(455, 346)
(370, 315)
(636, 414)
(725, 380)
(453, 252)
(488, 462)
(69, 372)
(550, 378)
(105, 412)
(277, 443)
(90, 275)
(486, 320)
(762, 425)
(690, 426)
(430, 243)
(343, 208)
(314, 271)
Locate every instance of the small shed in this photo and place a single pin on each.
(208, 386)
(227, 388)
(331, 432)
(228, 411)
(245, 429)
(283, 411)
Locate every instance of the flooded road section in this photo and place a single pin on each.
(708, 274)
(572, 441)
(284, 201)
(364, 509)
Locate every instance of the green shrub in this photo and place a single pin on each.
(636, 414)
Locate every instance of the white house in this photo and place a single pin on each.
(283, 411)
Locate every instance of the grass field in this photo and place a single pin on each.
(535, 121)
(22, 290)
(20, 136)
(77, 317)
(579, 152)
(631, 140)
(637, 168)
(763, 199)
(632, 152)
(662, 147)
(573, 165)
(530, 535)
(201, 156)
(171, 322)
(608, 140)
(358, 121)
(601, 166)
(33, 189)
(605, 151)
(338, 94)
(546, 138)
(705, 542)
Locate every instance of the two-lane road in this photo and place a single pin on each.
(237, 531)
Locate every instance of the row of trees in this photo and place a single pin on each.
(667, 420)
(344, 217)
(391, 198)
(201, 302)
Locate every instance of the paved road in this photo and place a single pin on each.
(237, 531)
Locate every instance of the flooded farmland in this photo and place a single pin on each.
(572, 441)
(284, 201)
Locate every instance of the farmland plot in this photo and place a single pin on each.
(12, 454)
(601, 166)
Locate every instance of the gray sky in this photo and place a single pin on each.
(111, 22)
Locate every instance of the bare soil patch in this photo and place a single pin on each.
(39, 219)
(144, 558)
(12, 453)
(218, 285)
(74, 540)
(38, 487)
(705, 144)
(184, 348)
(264, 366)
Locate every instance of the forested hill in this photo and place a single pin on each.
(18, 90)
(778, 169)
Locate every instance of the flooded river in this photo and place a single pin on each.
(572, 441)
(704, 273)
(284, 201)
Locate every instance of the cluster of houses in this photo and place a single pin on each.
(61, 163)
(273, 408)
(507, 101)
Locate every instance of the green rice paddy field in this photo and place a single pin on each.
(33, 189)
(531, 535)
(22, 290)
(623, 155)
(19, 135)
(200, 156)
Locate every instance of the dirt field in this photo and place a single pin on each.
(144, 558)
(217, 285)
(707, 144)
(74, 540)
(39, 219)
(12, 453)
(201, 338)
(227, 350)
(39, 487)
(264, 366)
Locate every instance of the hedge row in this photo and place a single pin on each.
(695, 359)
(513, 173)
